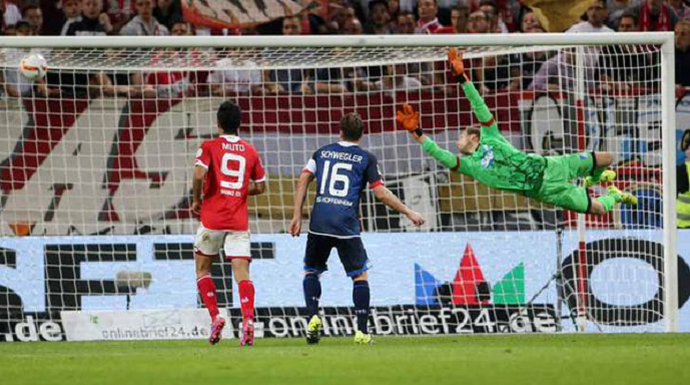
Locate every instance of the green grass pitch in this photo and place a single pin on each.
(472, 360)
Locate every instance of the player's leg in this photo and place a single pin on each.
(207, 244)
(354, 258)
(605, 203)
(238, 250)
(315, 262)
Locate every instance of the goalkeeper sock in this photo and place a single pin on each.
(361, 298)
(608, 201)
(247, 299)
(312, 293)
(207, 289)
(596, 174)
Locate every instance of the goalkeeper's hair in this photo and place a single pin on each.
(229, 117)
(351, 126)
(474, 130)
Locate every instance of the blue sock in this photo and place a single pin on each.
(361, 296)
(312, 293)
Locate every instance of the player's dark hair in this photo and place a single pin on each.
(474, 130)
(351, 126)
(229, 117)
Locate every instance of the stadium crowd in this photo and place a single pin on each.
(503, 73)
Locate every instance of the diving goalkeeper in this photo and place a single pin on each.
(493, 161)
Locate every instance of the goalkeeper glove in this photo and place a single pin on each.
(455, 59)
(409, 118)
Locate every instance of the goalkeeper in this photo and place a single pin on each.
(493, 161)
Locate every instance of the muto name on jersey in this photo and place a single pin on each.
(233, 147)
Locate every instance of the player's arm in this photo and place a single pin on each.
(197, 184)
(389, 199)
(300, 196)
(481, 110)
(409, 119)
(258, 184)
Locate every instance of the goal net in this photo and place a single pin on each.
(97, 157)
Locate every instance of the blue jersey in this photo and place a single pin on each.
(342, 171)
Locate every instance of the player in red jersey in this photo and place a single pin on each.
(229, 170)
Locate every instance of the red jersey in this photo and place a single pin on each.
(230, 163)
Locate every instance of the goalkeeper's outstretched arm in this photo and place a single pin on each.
(481, 110)
(409, 118)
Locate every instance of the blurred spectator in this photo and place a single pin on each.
(379, 18)
(53, 17)
(119, 12)
(428, 22)
(395, 79)
(558, 73)
(168, 12)
(405, 23)
(654, 15)
(341, 16)
(144, 24)
(616, 8)
(596, 16)
(530, 23)
(683, 53)
(496, 24)
(627, 67)
(628, 22)
(353, 27)
(393, 8)
(10, 30)
(292, 81)
(478, 22)
(524, 66)
(93, 21)
(10, 13)
(680, 7)
(23, 28)
(71, 9)
(34, 16)
(458, 20)
(236, 76)
(173, 83)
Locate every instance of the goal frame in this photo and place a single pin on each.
(664, 39)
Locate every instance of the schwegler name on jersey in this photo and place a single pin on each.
(342, 171)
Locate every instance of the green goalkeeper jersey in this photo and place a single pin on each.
(495, 163)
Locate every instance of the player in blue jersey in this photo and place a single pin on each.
(342, 171)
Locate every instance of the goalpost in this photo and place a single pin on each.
(96, 164)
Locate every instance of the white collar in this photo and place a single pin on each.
(346, 144)
(231, 138)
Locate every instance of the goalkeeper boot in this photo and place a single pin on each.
(606, 176)
(314, 330)
(625, 197)
(247, 333)
(363, 339)
(216, 330)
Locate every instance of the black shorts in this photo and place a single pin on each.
(351, 252)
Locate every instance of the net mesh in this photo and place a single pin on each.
(98, 158)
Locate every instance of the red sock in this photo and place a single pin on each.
(207, 289)
(247, 299)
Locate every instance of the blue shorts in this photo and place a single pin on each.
(351, 252)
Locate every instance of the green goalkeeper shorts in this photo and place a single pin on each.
(557, 188)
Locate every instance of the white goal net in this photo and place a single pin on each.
(96, 162)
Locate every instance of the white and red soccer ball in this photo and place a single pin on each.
(33, 67)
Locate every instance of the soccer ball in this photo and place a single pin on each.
(33, 67)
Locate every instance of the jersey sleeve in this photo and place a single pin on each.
(258, 173)
(445, 157)
(481, 110)
(203, 157)
(310, 167)
(372, 175)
